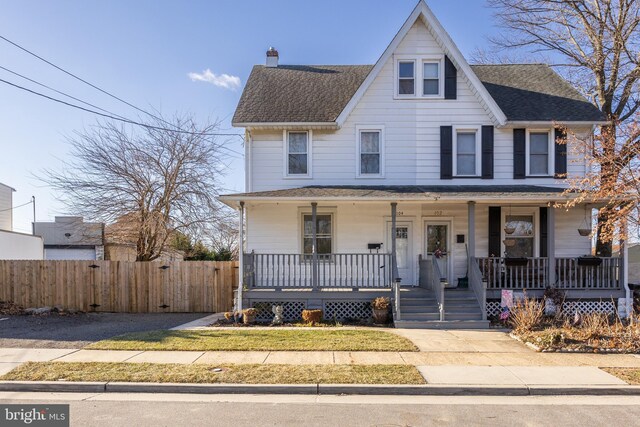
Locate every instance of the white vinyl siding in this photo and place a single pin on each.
(411, 137)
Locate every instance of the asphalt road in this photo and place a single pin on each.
(78, 330)
(228, 410)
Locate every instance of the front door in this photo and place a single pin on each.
(404, 251)
(438, 245)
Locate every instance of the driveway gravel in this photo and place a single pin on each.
(78, 330)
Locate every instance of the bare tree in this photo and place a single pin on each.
(152, 181)
(596, 45)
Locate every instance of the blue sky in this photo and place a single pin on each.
(143, 51)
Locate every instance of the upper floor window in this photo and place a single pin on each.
(431, 78)
(406, 77)
(539, 153)
(297, 153)
(370, 151)
(466, 152)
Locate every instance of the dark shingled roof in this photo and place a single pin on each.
(398, 192)
(298, 93)
(319, 93)
(535, 92)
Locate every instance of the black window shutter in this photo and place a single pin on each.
(543, 232)
(446, 152)
(495, 234)
(561, 153)
(519, 154)
(450, 79)
(487, 152)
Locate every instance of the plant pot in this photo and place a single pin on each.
(380, 316)
(516, 262)
(584, 232)
(248, 319)
(509, 230)
(589, 261)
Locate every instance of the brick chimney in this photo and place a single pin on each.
(272, 57)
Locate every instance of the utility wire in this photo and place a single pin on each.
(110, 116)
(16, 207)
(59, 92)
(110, 94)
(79, 78)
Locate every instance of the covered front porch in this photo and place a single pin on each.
(329, 247)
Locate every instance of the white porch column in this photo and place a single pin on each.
(394, 264)
(471, 229)
(551, 245)
(240, 257)
(314, 245)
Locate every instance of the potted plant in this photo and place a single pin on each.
(249, 316)
(380, 308)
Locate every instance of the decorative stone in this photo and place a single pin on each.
(277, 311)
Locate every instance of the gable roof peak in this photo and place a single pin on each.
(423, 12)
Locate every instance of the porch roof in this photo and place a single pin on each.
(404, 193)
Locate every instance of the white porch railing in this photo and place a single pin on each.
(438, 285)
(478, 285)
(533, 273)
(279, 271)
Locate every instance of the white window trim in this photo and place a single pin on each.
(440, 62)
(467, 129)
(535, 211)
(285, 151)
(551, 160)
(396, 92)
(418, 67)
(370, 128)
(321, 211)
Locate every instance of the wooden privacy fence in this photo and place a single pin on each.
(121, 286)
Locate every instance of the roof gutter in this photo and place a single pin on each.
(286, 125)
(531, 123)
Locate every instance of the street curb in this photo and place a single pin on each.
(315, 389)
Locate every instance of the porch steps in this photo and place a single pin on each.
(419, 310)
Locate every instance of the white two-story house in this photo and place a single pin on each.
(420, 177)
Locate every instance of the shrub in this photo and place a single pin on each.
(312, 316)
(526, 315)
(250, 311)
(381, 303)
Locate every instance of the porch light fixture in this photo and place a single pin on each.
(509, 229)
(585, 229)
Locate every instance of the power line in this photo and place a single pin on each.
(57, 91)
(110, 116)
(103, 90)
(16, 207)
(79, 78)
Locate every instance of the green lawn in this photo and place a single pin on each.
(229, 374)
(259, 340)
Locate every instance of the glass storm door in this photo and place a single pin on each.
(437, 245)
(404, 251)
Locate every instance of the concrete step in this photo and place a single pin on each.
(462, 316)
(447, 324)
(420, 316)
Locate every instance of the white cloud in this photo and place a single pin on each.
(221, 80)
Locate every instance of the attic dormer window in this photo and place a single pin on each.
(431, 78)
(406, 77)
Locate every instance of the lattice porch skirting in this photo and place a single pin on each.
(570, 307)
(331, 309)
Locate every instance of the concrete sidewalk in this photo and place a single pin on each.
(10, 357)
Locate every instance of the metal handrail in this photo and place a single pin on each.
(438, 285)
(478, 286)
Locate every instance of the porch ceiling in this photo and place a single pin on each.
(418, 193)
